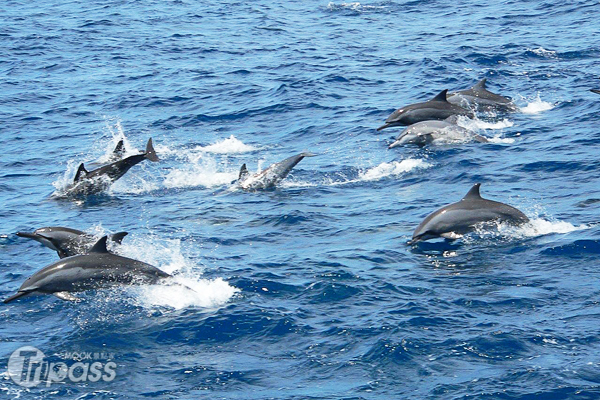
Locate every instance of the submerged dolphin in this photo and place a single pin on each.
(595, 91)
(95, 270)
(66, 242)
(98, 180)
(437, 108)
(456, 219)
(425, 132)
(481, 98)
(269, 177)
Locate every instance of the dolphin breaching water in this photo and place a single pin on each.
(457, 219)
(426, 132)
(437, 108)
(96, 270)
(67, 242)
(482, 99)
(269, 177)
(98, 180)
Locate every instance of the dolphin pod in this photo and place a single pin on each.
(67, 242)
(98, 180)
(437, 108)
(269, 177)
(456, 219)
(95, 270)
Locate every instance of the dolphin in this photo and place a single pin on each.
(269, 177)
(595, 91)
(118, 152)
(457, 219)
(425, 132)
(66, 242)
(95, 270)
(437, 108)
(482, 99)
(99, 179)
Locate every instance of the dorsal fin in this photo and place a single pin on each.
(100, 246)
(473, 194)
(480, 85)
(441, 96)
(118, 237)
(243, 172)
(81, 172)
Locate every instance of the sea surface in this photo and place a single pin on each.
(310, 290)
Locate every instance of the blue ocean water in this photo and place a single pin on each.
(308, 291)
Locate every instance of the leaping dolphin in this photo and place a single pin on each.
(425, 132)
(95, 270)
(482, 99)
(66, 242)
(269, 177)
(437, 108)
(457, 219)
(90, 182)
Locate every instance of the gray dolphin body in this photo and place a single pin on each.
(595, 91)
(95, 270)
(425, 132)
(482, 99)
(437, 108)
(269, 177)
(456, 219)
(98, 180)
(66, 242)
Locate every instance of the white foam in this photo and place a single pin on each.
(498, 139)
(392, 169)
(231, 145)
(478, 124)
(537, 106)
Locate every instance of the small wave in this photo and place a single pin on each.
(540, 51)
(392, 169)
(537, 106)
(354, 6)
(231, 145)
(500, 140)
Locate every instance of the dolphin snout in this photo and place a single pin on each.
(29, 235)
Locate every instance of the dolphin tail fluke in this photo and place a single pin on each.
(15, 296)
(118, 237)
(150, 153)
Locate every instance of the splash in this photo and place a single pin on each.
(231, 145)
(478, 124)
(540, 51)
(201, 170)
(354, 6)
(537, 106)
(186, 289)
(538, 227)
